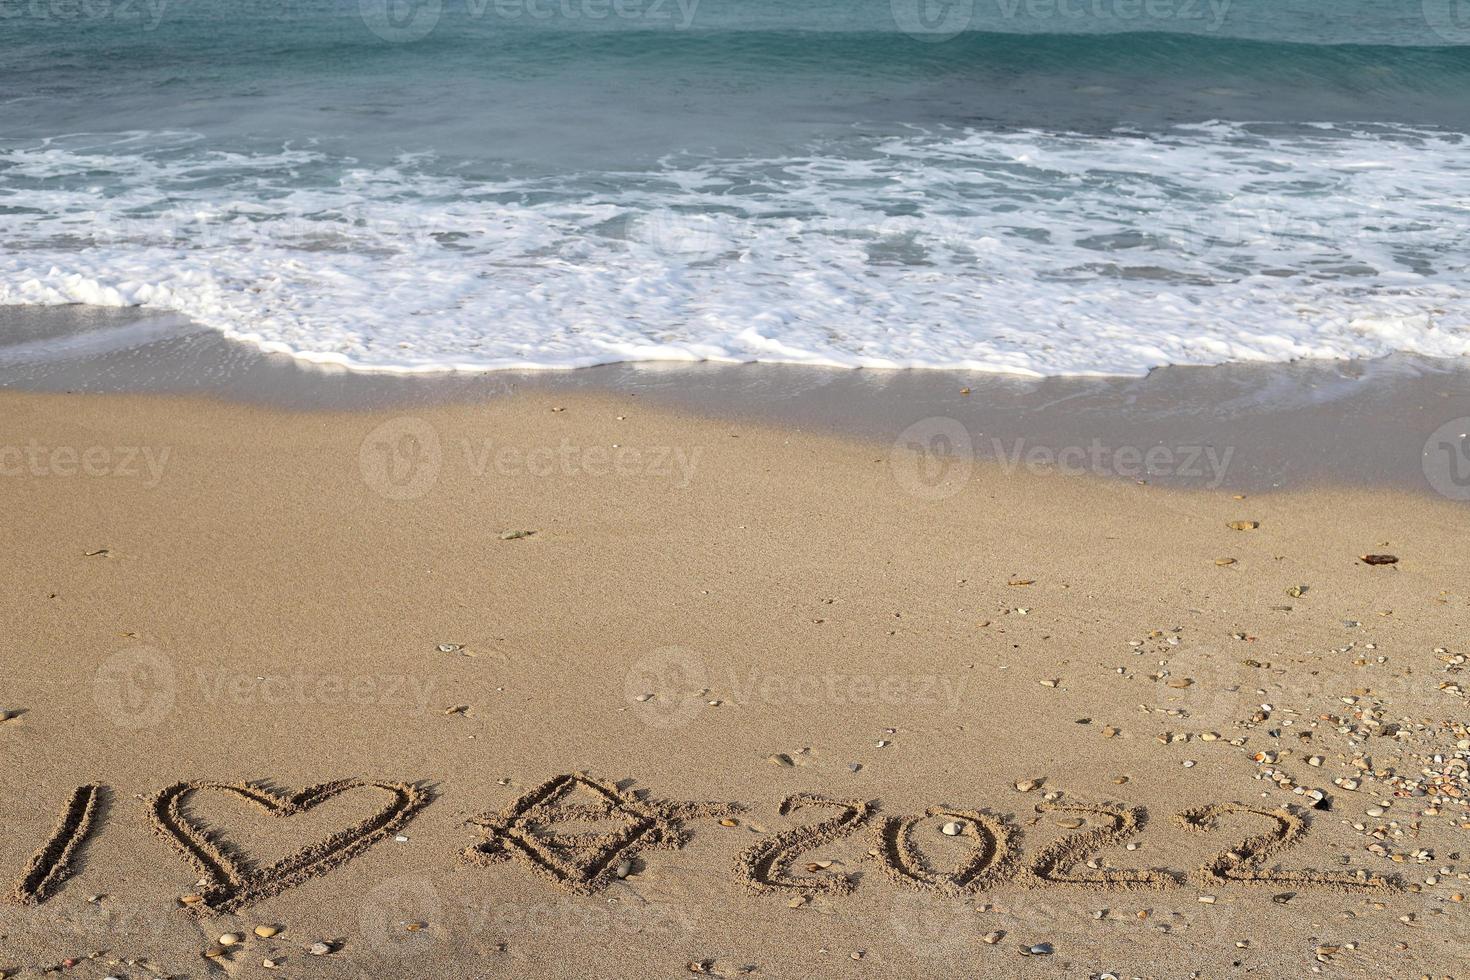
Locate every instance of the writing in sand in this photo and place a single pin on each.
(583, 862)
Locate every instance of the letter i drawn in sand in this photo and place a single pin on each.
(53, 863)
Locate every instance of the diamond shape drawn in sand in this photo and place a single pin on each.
(584, 862)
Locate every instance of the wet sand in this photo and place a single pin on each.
(1241, 426)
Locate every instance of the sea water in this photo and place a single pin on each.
(1044, 187)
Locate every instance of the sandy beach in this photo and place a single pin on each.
(618, 690)
(778, 489)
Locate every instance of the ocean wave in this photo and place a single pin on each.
(1027, 251)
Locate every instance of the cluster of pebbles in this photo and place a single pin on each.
(1387, 753)
(1404, 752)
(230, 943)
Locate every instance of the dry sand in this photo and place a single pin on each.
(783, 661)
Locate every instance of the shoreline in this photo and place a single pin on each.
(1245, 427)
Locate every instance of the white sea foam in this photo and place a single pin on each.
(1029, 252)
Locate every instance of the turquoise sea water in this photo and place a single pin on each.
(1044, 186)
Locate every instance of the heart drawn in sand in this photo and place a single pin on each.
(233, 881)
